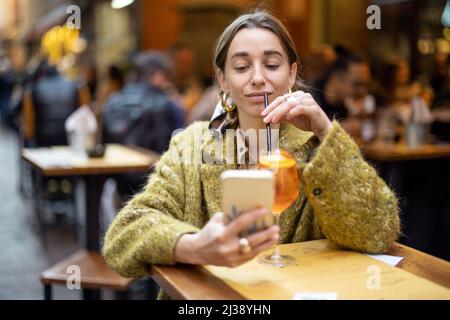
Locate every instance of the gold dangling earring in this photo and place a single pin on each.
(226, 106)
(290, 90)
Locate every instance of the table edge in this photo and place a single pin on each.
(158, 272)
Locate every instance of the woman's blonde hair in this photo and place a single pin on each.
(258, 19)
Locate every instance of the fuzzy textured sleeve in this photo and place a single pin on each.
(147, 229)
(354, 207)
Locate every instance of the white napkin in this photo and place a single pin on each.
(81, 121)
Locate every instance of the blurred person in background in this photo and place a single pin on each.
(398, 85)
(6, 88)
(112, 83)
(346, 77)
(318, 62)
(142, 113)
(361, 104)
(361, 78)
(400, 92)
(204, 108)
(188, 87)
(12, 76)
(48, 101)
(440, 75)
(88, 83)
(441, 84)
(441, 104)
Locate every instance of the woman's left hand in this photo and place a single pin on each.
(301, 110)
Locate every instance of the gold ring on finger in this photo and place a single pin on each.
(244, 245)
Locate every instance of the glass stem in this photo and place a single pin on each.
(276, 251)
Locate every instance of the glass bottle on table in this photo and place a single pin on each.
(283, 165)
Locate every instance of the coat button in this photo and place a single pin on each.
(317, 192)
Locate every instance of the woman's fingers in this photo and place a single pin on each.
(242, 258)
(302, 94)
(262, 236)
(264, 246)
(282, 106)
(273, 105)
(231, 252)
(299, 110)
(244, 222)
(218, 217)
(279, 113)
(308, 102)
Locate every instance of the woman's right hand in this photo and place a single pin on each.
(218, 244)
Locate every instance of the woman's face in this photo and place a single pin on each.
(256, 63)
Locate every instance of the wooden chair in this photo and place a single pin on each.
(94, 274)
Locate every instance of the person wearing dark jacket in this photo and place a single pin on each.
(47, 104)
(142, 113)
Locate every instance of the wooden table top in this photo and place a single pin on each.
(400, 152)
(196, 283)
(62, 161)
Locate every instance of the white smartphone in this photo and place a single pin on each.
(246, 190)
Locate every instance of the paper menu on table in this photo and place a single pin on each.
(315, 296)
(390, 260)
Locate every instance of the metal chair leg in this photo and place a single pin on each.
(47, 292)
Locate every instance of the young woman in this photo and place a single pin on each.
(176, 217)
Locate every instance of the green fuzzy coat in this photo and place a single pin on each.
(341, 198)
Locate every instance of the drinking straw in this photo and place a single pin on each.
(268, 133)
